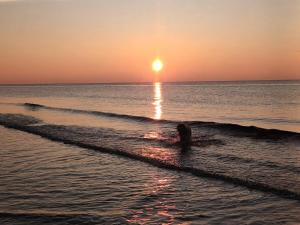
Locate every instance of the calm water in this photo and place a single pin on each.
(96, 154)
(265, 104)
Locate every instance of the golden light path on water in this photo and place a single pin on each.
(157, 100)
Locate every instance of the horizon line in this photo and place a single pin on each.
(136, 82)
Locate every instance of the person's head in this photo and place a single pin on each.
(185, 136)
(181, 128)
(185, 133)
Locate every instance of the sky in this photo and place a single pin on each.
(94, 41)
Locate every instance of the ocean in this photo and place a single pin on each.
(109, 153)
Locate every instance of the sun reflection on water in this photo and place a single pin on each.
(157, 100)
(155, 206)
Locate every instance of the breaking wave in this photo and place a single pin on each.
(58, 134)
(235, 129)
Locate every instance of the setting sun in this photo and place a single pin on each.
(157, 65)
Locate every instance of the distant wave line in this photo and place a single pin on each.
(240, 130)
(229, 128)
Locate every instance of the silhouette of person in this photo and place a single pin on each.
(185, 135)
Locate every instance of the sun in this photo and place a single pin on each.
(157, 65)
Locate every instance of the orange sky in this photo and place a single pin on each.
(67, 41)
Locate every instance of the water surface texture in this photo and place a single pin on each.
(103, 154)
(269, 104)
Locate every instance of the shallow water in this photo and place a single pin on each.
(43, 182)
(105, 159)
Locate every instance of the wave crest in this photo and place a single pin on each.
(21, 122)
(228, 128)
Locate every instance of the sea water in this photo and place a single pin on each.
(109, 153)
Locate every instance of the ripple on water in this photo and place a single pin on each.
(45, 182)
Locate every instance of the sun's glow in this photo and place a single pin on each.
(157, 65)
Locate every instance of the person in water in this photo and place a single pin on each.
(185, 136)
